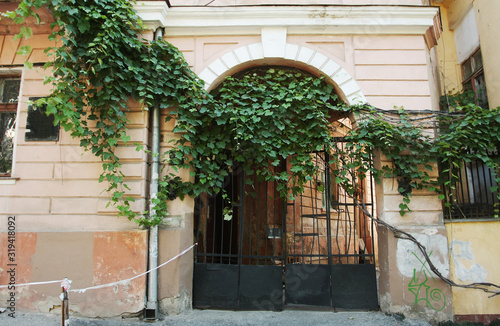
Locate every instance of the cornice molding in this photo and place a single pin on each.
(248, 20)
(152, 13)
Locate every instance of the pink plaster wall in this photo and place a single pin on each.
(87, 259)
(391, 70)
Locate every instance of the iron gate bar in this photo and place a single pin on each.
(314, 215)
(241, 220)
(328, 197)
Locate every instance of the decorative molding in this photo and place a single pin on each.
(152, 13)
(350, 90)
(249, 20)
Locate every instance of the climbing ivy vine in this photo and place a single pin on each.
(100, 64)
(415, 140)
(251, 122)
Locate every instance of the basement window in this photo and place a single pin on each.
(9, 97)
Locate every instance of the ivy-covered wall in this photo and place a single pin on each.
(381, 63)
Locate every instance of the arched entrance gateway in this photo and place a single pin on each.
(258, 250)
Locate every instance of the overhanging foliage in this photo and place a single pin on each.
(252, 121)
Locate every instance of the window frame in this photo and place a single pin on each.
(11, 108)
(471, 78)
(332, 189)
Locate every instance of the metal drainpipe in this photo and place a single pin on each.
(151, 311)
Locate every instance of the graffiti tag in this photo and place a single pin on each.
(434, 298)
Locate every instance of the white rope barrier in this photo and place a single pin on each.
(27, 284)
(122, 282)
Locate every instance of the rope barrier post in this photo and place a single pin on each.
(65, 285)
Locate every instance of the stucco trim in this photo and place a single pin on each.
(352, 93)
(8, 181)
(152, 13)
(314, 19)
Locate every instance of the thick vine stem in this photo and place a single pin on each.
(400, 234)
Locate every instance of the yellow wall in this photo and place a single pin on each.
(449, 69)
(474, 257)
(455, 9)
(487, 13)
(473, 254)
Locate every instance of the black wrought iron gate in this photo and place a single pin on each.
(257, 251)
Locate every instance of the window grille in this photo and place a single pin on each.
(474, 195)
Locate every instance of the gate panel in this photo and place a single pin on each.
(215, 286)
(329, 244)
(308, 284)
(261, 287)
(354, 287)
(239, 259)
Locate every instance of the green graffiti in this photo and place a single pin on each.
(434, 298)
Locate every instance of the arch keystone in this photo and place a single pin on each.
(274, 41)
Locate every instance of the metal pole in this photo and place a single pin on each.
(62, 307)
(152, 298)
(152, 301)
(65, 302)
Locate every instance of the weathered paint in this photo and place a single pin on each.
(474, 258)
(406, 284)
(87, 259)
(422, 285)
(466, 267)
(118, 256)
(25, 245)
(409, 256)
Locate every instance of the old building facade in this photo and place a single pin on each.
(384, 52)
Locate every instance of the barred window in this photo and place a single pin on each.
(474, 195)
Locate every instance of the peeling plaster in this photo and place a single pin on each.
(408, 254)
(175, 305)
(461, 252)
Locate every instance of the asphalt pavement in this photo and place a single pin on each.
(224, 318)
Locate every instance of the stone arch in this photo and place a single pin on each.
(347, 87)
(261, 221)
